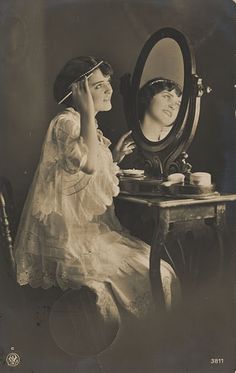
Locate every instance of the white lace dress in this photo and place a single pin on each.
(69, 235)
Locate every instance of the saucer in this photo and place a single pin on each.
(132, 172)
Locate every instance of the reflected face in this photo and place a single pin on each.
(101, 90)
(164, 107)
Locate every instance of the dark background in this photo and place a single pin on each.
(36, 39)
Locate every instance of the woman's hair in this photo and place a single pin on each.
(151, 88)
(72, 71)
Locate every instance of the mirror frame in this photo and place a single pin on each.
(166, 151)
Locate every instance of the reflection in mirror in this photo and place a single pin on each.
(159, 98)
(158, 106)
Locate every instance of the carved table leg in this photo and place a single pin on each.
(218, 226)
(159, 238)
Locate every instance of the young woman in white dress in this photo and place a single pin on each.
(68, 235)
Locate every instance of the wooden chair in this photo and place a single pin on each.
(7, 224)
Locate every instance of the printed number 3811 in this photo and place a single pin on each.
(217, 361)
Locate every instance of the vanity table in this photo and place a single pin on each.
(178, 217)
(189, 221)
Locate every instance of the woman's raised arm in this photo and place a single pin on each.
(83, 103)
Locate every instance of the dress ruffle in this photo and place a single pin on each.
(98, 191)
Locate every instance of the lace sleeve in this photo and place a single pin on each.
(59, 176)
(72, 151)
(63, 151)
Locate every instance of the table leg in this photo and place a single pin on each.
(219, 227)
(159, 238)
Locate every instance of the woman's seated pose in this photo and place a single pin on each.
(69, 235)
(158, 104)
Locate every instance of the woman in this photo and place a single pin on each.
(158, 102)
(69, 235)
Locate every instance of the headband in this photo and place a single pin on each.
(87, 73)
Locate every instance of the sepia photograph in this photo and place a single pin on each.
(118, 186)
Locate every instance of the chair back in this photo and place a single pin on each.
(7, 226)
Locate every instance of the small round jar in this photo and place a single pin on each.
(200, 178)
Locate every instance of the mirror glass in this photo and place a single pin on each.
(160, 90)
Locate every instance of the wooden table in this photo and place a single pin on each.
(172, 215)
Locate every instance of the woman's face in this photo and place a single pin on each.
(164, 107)
(101, 90)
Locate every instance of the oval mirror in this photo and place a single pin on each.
(160, 90)
(162, 101)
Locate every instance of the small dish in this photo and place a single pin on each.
(133, 172)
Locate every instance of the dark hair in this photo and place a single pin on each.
(151, 88)
(72, 70)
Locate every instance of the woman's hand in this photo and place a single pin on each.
(124, 147)
(82, 97)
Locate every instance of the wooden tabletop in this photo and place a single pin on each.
(166, 202)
